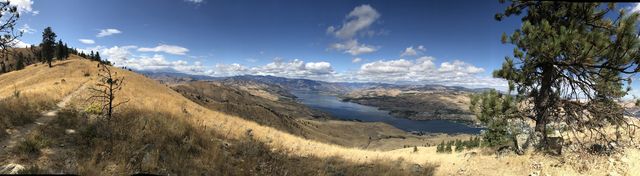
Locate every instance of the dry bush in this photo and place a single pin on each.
(31, 145)
(21, 110)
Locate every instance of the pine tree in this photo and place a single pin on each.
(459, 145)
(440, 147)
(66, 51)
(92, 56)
(570, 64)
(98, 57)
(447, 148)
(494, 109)
(47, 45)
(60, 50)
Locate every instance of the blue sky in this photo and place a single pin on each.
(419, 42)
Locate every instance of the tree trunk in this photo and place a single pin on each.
(543, 101)
(110, 96)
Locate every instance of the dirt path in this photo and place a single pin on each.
(18, 134)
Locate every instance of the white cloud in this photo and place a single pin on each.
(228, 70)
(410, 51)
(122, 56)
(87, 41)
(358, 19)
(158, 62)
(319, 67)
(386, 67)
(356, 60)
(118, 55)
(170, 49)
(635, 8)
(459, 67)
(195, 1)
(108, 32)
(19, 44)
(422, 71)
(353, 47)
(291, 69)
(23, 6)
(294, 69)
(26, 29)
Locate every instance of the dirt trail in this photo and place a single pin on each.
(17, 135)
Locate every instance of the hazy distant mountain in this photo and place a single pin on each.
(296, 84)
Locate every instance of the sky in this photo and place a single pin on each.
(407, 42)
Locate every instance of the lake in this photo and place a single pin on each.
(353, 111)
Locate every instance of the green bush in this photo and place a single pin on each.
(440, 147)
(94, 108)
(494, 109)
(459, 145)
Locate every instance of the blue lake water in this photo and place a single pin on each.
(353, 111)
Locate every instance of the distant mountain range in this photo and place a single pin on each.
(296, 84)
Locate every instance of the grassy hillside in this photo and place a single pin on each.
(179, 113)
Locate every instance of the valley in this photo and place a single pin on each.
(269, 105)
(326, 88)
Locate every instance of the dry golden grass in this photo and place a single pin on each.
(150, 95)
(55, 83)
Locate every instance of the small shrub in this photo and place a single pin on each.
(31, 145)
(94, 108)
(440, 147)
(459, 145)
(16, 92)
(69, 119)
(447, 148)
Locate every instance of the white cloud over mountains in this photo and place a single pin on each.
(357, 21)
(108, 32)
(19, 44)
(170, 49)
(422, 70)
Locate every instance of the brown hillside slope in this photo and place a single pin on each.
(147, 94)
